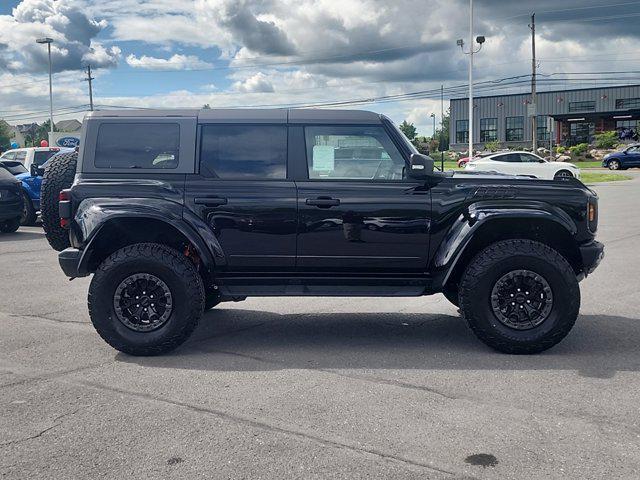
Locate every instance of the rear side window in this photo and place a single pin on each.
(244, 151)
(138, 145)
(39, 158)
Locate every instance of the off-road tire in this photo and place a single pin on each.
(175, 270)
(10, 226)
(491, 264)
(29, 215)
(58, 175)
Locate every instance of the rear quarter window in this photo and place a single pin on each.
(138, 145)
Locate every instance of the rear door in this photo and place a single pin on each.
(243, 194)
(357, 211)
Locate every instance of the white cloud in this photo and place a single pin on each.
(255, 83)
(175, 62)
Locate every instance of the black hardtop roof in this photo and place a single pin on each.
(249, 115)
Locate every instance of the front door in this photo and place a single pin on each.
(244, 197)
(357, 213)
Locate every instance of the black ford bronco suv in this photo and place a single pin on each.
(175, 211)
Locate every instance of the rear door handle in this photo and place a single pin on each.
(210, 201)
(323, 202)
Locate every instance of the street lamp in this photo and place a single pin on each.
(48, 41)
(480, 40)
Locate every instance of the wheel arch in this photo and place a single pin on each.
(118, 231)
(468, 240)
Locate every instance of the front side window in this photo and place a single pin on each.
(514, 129)
(138, 145)
(587, 106)
(462, 131)
(352, 153)
(21, 156)
(234, 152)
(488, 129)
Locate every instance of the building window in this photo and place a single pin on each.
(582, 132)
(626, 103)
(488, 129)
(514, 129)
(462, 131)
(582, 106)
(626, 124)
(542, 128)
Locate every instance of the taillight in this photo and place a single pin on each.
(592, 214)
(64, 208)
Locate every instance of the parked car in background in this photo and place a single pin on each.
(32, 155)
(629, 157)
(463, 161)
(31, 180)
(10, 202)
(523, 163)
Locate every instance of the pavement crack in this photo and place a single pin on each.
(364, 378)
(56, 423)
(43, 317)
(262, 425)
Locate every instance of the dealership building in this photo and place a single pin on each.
(577, 115)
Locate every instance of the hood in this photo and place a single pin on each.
(6, 179)
(23, 176)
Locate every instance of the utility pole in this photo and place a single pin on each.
(88, 79)
(534, 119)
(49, 41)
(442, 127)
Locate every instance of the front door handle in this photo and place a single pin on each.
(323, 202)
(210, 201)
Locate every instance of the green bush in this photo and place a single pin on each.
(560, 149)
(607, 139)
(579, 150)
(492, 146)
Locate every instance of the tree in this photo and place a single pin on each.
(409, 129)
(42, 133)
(443, 133)
(206, 106)
(5, 136)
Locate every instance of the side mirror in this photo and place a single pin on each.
(36, 170)
(420, 166)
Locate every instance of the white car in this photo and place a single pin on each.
(523, 163)
(30, 155)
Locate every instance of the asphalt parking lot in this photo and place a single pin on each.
(321, 387)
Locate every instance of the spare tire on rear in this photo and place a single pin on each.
(58, 175)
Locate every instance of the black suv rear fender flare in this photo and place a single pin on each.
(475, 219)
(95, 217)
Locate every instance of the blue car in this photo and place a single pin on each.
(627, 158)
(31, 184)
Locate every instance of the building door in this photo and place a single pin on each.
(582, 132)
(357, 213)
(243, 195)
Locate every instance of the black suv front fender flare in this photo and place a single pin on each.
(478, 216)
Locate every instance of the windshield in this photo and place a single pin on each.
(14, 168)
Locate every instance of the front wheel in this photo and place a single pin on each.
(563, 175)
(146, 299)
(613, 165)
(29, 215)
(10, 226)
(520, 296)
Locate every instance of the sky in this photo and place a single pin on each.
(241, 53)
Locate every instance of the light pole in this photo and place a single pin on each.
(48, 41)
(433, 115)
(471, 53)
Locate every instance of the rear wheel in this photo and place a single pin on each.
(563, 175)
(58, 176)
(613, 165)
(146, 299)
(29, 215)
(520, 296)
(10, 226)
